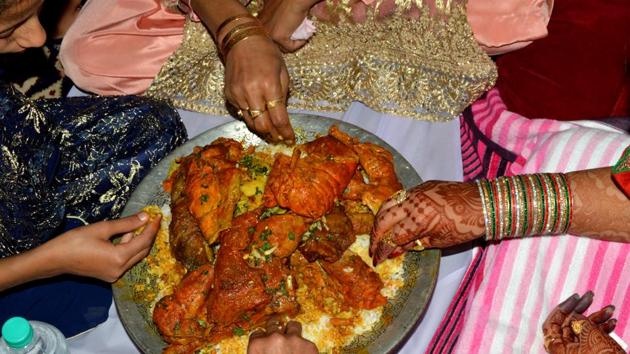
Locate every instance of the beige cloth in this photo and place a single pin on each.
(428, 68)
(117, 47)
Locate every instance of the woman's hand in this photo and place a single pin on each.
(436, 214)
(256, 78)
(567, 330)
(88, 251)
(280, 339)
(257, 83)
(282, 17)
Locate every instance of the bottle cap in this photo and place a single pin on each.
(17, 332)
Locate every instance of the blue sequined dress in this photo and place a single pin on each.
(67, 162)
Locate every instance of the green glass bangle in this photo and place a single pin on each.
(569, 209)
(525, 214)
(508, 206)
(491, 235)
(552, 204)
(543, 205)
(483, 206)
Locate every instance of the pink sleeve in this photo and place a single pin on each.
(501, 26)
(118, 47)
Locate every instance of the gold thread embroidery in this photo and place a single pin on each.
(429, 68)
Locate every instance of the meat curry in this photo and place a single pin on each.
(246, 252)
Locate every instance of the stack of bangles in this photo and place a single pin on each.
(240, 27)
(526, 205)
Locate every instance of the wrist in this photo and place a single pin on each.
(239, 35)
(229, 24)
(478, 219)
(49, 261)
(24, 267)
(236, 29)
(526, 205)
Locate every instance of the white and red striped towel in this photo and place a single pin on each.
(511, 287)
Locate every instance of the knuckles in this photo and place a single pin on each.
(117, 264)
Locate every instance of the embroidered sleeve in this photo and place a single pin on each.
(362, 10)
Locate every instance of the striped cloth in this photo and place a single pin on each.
(511, 287)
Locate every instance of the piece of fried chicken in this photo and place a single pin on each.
(312, 179)
(377, 163)
(213, 185)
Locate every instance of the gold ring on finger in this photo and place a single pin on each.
(388, 240)
(418, 246)
(577, 326)
(255, 113)
(400, 196)
(257, 332)
(273, 103)
(239, 113)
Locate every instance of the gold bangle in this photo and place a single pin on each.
(250, 32)
(230, 20)
(235, 31)
(238, 35)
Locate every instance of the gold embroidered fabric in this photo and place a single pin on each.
(427, 68)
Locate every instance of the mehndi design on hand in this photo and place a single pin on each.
(567, 331)
(438, 214)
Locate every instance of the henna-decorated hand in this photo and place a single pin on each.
(435, 214)
(567, 331)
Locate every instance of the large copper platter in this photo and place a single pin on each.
(402, 314)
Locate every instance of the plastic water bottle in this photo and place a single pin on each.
(20, 336)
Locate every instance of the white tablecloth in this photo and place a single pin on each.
(434, 151)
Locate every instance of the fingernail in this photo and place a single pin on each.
(575, 296)
(143, 216)
(610, 308)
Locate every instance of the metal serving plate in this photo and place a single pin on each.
(400, 316)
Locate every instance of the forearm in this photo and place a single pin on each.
(31, 265)
(600, 209)
(583, 203)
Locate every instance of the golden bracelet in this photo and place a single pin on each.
(230, 20)
(235, 31)
(250, 32)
